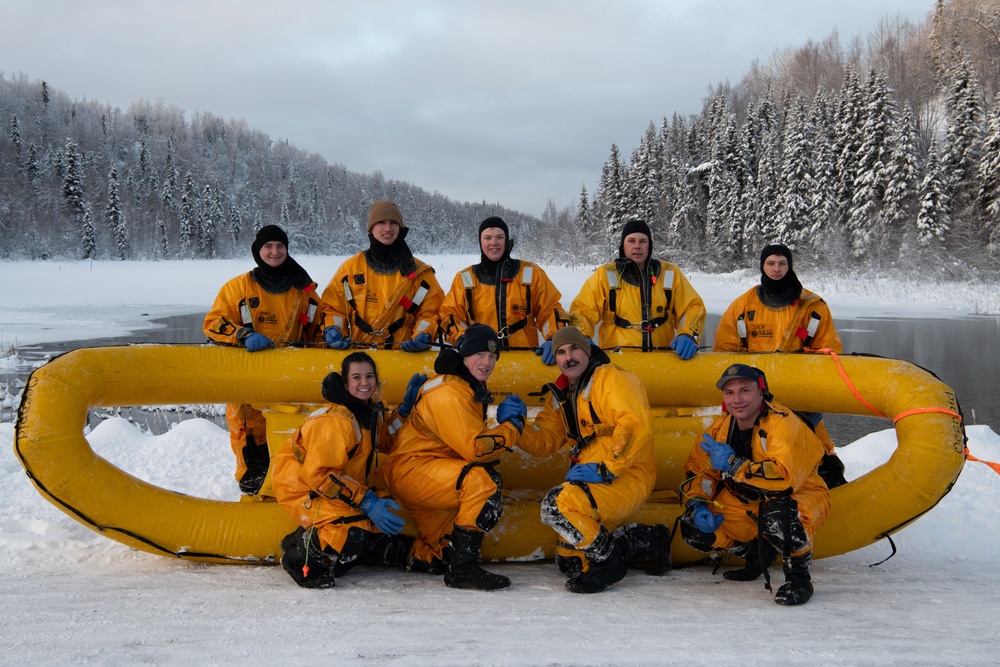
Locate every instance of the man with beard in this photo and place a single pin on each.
(780, 315)
(513, 296)
(603, 410)
(383, 297)
(639, 301)
(274, 303)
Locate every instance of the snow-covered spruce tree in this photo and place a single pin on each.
(88, 245)
(960, 156)
(899, 206)
(115, 218)
(612, 198)
(822, 115)
(989, 180)
(850, 121)
(645, 178)
(73, 180)
(235, 222)
(209, 217)
(169, 190)
(866, 226)
(188, 217)
(162, 246)
(933, 219)
(798, 195)
(14, 132)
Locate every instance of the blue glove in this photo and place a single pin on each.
(585, 472)
(684, 346)
(704, 520)
(721, 455)
(377, 510)
(334, 339)
(545, 351)
(419, 343)
(512, 409)
(410, 397)
(256, 342)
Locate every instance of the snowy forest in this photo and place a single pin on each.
(80, 179)
(879, 153)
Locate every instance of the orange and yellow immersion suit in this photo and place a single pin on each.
(443, 465)
(606, 419)
(323, 470)
(522, 305)
(637, 307)
(782, 464)
(382, 305)
(748, 325)
(243, 306)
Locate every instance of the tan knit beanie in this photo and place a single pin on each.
(383, 210)
(570, 335)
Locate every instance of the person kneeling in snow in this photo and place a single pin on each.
(444, 465)
(753, 486)
(322, 479)
(604, 411)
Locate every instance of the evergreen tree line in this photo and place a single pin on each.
(80, 179)
(881, 154)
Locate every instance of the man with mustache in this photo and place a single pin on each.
(603, 410)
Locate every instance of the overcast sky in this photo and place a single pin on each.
(516, 102)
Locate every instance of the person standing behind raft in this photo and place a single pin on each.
(275, 303)
(322, 478)
(753, 488)
(604, 412)
(513, 296)
(640, 301)
(780, 315)
(384, 296)
(443, 468)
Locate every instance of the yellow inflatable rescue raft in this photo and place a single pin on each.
(51, 445)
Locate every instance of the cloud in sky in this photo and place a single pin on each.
(512, 102)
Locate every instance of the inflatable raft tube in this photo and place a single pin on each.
(54, 452)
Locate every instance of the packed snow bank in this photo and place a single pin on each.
(73, 595)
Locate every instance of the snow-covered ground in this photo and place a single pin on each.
(70, 595)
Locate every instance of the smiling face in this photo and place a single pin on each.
(386, 232)
(572, 360)
(274, 253)
(361, 380)
(775, 267)
(743, 399)
(493, 242)
(481, 364)
(636, 246)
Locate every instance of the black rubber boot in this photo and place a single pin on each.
(646, 547)
(304, 560)
(462, 558)
(607, 565)
(797, 588)
(392, 550)
(759, 555)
